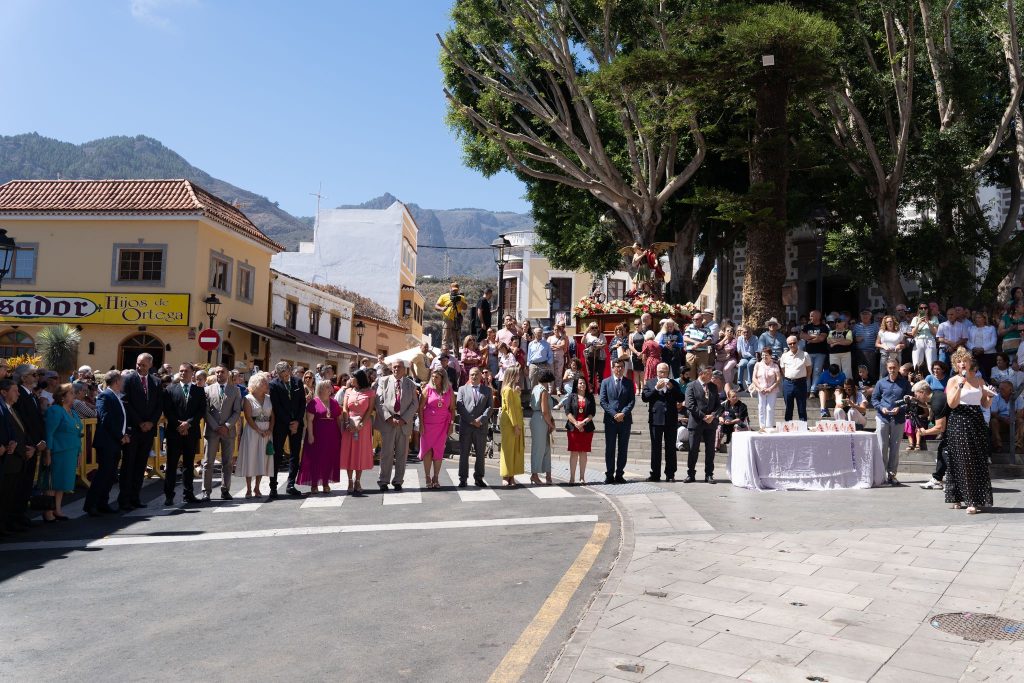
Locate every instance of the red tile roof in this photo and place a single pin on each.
(148, 197)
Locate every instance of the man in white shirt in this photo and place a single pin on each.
(796, 368)
(1003, 410)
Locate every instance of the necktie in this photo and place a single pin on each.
(398, 397)
(707, 392)
(184, 388)
(476, 393)
(221, 389)
(145, 385)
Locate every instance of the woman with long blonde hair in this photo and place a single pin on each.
(513, 429)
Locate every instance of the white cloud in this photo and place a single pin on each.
(155, 12)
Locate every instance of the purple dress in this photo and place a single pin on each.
(320, 461)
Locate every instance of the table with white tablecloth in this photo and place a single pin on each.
(806, 460)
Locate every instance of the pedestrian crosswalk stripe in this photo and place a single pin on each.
(471, 495)
(549, 492)
(410, 493)
(332, 500)
(240, 507)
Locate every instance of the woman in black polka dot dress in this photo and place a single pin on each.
(967, 439)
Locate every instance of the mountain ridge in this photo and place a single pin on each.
(33, 156)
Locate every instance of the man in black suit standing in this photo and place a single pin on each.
(618, 396)
(109, 440)
(663, 394)
(184, 407)
(143, 401)
(703, 405)
(289, 401)
(28, 410)
(18, 450)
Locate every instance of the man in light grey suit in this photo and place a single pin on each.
(473, 405)
(223, 408)
(397, 404)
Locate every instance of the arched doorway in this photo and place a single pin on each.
(15, 343)
(140, 343)
(227, 355)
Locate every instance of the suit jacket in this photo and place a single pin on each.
(13, 463)
(572, 403)
(178, 409)
(111, 420)
(387, 388)
(469, 408)
(31, 415)
(663, 410)
(143, 407)
(700, 404)
(223, 410)
(619, 400)
(289, 403)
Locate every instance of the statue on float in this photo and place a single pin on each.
(645, 265)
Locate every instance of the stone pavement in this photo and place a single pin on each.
(717, 583)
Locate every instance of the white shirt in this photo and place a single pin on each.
(795, 365)
(983, 338)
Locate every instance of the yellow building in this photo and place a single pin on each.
(130, 263)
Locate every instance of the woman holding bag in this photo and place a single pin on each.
(256, 450)
(579, 427)
(357, 441)
(437, 413)
(64, 438)
(542, 424)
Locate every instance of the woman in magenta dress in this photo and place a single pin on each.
(437, 411)
(320, 463)
(651, 351)
(357, 440)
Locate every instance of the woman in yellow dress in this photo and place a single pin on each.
(513, 431)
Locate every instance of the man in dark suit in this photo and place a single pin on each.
(143, 401)
(703, 405)
(663, 394)
(618, 396)
(289, 401)
(474, 407)
(184, 407)
(30, 413)
(109, 439)
(18, 450)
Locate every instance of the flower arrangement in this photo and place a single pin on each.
(588, 307)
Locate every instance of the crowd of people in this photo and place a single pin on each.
(314, 424)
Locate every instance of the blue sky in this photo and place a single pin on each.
(274, 97)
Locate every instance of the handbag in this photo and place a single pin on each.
(270, 448)
(43, 501)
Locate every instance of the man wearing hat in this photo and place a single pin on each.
(773, 338)
(452, 305)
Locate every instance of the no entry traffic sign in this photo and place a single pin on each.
(209, 340)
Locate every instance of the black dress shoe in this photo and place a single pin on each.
(609, 480)
(105, 510)
(190, 499)
(383, 487)
(653, 479)
(670, 479)
(225, 495)
(398, 487)
(168, 500)
(138, 504)
(710, 479)
(689, 479)
(462, 483)
(480, 482)
(292, 491)
(92, 512)
(619, 479)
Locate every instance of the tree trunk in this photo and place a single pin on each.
(765, 273)
(681, 288)
(889, 280)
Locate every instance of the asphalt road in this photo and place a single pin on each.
(280, 591)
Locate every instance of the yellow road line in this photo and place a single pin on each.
(514, 665)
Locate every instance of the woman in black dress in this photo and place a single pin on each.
(967, 438)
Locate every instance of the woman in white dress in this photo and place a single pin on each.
(889, 342)
(253, 459)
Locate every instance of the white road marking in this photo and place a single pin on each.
(410, 493)
(116, 540)
(334, 500)
(549, 492)
(240, 507)
(468, 495)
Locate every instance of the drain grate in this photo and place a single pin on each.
(979, 627)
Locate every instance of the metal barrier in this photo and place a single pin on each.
(88, 462)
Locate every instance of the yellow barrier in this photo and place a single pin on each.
(88, 463)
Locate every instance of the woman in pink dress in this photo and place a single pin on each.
(437, 411)
(320, 464)
(357, 441)
(651, 351)
(472, 357)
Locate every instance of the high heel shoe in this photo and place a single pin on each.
(535, 479)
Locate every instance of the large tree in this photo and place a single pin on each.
(598, 96)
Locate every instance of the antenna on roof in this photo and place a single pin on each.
(316, 220)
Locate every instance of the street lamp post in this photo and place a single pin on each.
(360, 326)
(7, 247)
(500, 248)
(549, 289)
(819, 216)
(212, 306)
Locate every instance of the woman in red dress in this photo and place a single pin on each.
(651, 351)
(581, 408)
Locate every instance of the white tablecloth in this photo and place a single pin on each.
(808, 461)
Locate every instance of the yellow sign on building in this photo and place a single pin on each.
(105, 308)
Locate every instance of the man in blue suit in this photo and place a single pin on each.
(110, 437)
(618, 395)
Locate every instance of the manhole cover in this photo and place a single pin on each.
(979, 627)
